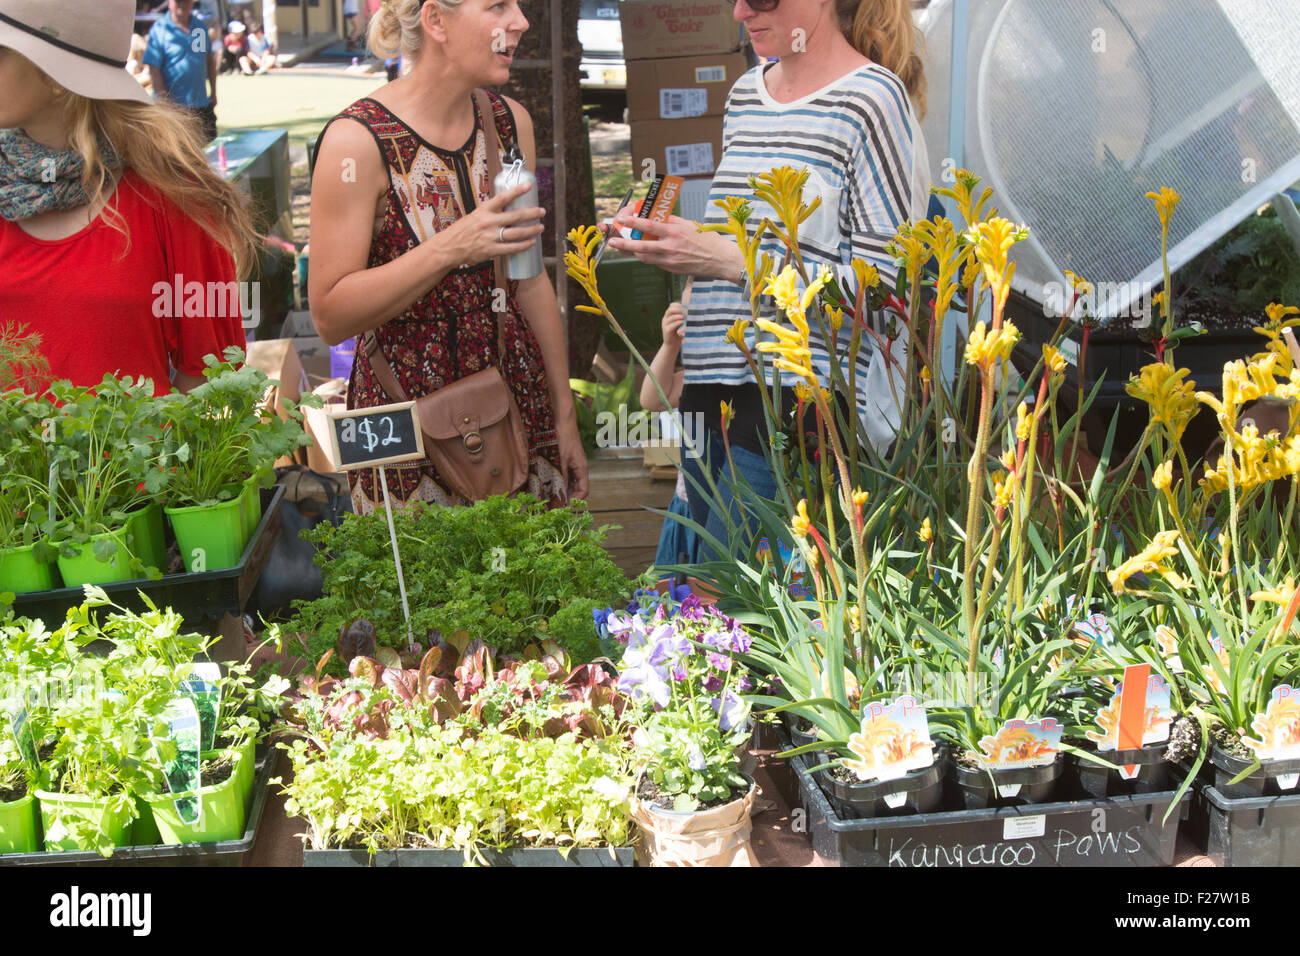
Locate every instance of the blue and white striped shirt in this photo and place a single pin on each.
(862, 146)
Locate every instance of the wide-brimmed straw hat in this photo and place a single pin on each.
(80, 44)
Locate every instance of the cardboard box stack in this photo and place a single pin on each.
(682, 60)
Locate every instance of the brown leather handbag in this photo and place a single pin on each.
(473, 432)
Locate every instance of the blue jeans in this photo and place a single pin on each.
(677, 543)
(751, 468)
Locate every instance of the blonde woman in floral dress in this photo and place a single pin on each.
(404, 230)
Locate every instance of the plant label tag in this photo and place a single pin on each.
(22, 731)
(1129, 771)
(792, 559)
(1287, 781)
(1023, 828)
(894, 740)
(1008, 790)
(1278, 727)
(1167, 641)
(178, 753)
(1021, 743)
(1133, 720)
(203, 686)
(896, 800)
(1095, 628)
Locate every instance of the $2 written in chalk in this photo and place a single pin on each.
(375, 436)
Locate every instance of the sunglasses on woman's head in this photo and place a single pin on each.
(759, 6)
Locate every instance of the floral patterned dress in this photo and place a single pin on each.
(451, 332)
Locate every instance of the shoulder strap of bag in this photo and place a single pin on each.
(379, 365)
(370, 342)
(487, 118)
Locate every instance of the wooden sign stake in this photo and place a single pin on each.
(397, 559)
(1289, 335)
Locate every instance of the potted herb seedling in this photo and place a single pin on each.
(209, 432)
(105, 459)
(417, 766)
(19, 813)
(26, 557)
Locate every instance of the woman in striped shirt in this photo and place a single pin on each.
(842, 101)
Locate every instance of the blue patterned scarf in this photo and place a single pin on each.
(36, 179)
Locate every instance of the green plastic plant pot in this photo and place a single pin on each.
(245, 766)
(245, 754)
(21, 572)
(18, 832)
(56, 807)
(86, 568)
(250, 501)
(144, 536)
(221, 816)
(144, 832)
(210, 537)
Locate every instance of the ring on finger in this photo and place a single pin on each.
(501, 234)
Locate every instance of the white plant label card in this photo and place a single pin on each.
(1278, 727)
(894, 740)
(1023, 828)
(1021, 743)
(1151, 717)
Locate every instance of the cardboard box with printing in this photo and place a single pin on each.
(683, 147)
(654, 29)
(681, 87)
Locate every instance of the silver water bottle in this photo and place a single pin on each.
(526, 264)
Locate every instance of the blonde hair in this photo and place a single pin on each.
(396, 28)
(883, 31)
(162, 143)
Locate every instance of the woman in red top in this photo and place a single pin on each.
(120, 246)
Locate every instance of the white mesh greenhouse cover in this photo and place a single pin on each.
(1077, 108)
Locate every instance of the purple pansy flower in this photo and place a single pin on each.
(719, 662)
(691, 608)
(639, 675)
(713, 683)
(732, 712)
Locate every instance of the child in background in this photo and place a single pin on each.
(677, 543)
(234, 46)
(260, 56)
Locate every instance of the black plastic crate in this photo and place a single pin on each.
(1252, 831)
(1115, 831)
(222, 853)
(202, 596)
(523, 856)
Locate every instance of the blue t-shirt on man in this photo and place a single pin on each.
(182, 55)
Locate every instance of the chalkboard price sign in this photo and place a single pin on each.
(383, 435)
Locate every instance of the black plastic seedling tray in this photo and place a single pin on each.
(523, 856)
(201, 596)
(1251, 831)
(1115, 831)
(223, 853)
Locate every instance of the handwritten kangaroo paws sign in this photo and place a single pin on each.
(1021, 743)
(894, 740)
